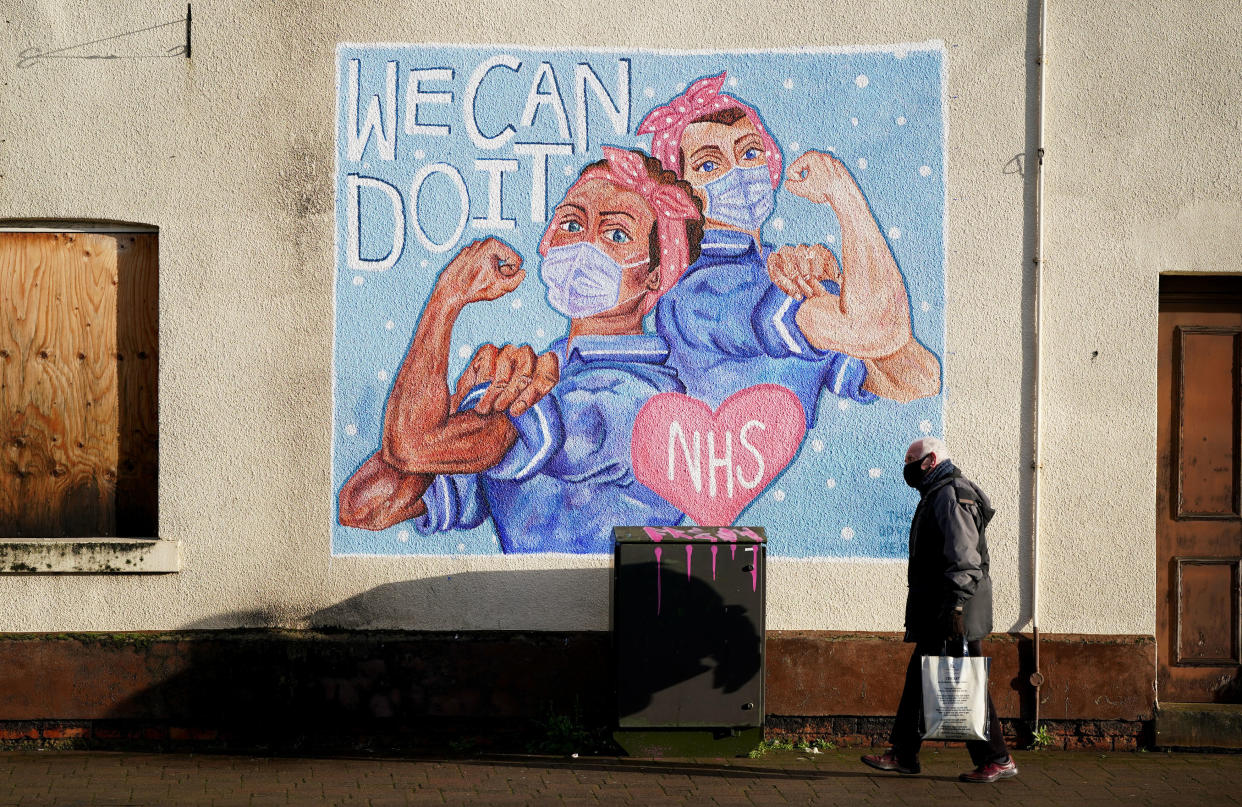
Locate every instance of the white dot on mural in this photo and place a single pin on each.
(847, 533)
(843, 404)
(862, 163)
(517, 303)
(830, 238)
(464, 351)
(733, 81)
(568, 170)
(419, 154)
(794, 146)
(926, 306)
(817, 445)
(854, 121)
(382, 375)
(649, 92)
(862, 81)
(831, 483)
(875, 473)
(359, 280)
(925, 171)
(778, 223)
(351, 430)
(495, 539)
(540, 332)
(389, 325)
(901, 121)
(681, 87)
(787, 84)
(423, 263)
(779, 495)
(925, 426)
(403, 536)
(461, 547)
(894, 232)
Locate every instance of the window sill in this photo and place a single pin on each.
(89, 556)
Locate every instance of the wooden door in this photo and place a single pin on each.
(78, 380)
(1199, 490)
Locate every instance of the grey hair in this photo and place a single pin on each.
(929, 445)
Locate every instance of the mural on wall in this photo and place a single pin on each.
(577, 289)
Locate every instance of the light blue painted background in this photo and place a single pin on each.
(808, 100)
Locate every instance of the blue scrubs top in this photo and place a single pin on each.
(728, 327)
(568, 480)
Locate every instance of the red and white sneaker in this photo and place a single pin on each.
(991, 772)
(888, 762)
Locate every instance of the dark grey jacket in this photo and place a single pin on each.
(948, 558)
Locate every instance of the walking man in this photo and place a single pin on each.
(950, 598)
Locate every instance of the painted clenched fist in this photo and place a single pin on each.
(517, 378)
(798, 269)
(820, 178)
(484, 270)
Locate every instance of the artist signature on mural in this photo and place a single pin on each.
(32, 56)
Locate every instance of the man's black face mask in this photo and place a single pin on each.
(913, 473)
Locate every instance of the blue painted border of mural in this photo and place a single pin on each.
(842, 496)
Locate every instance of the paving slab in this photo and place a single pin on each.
(62, 778)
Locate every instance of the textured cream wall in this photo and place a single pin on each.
(231, 156)
(1143, 178)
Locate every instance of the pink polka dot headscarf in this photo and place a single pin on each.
(666, 124)
(671, 205)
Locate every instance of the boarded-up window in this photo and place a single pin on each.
(78, 383)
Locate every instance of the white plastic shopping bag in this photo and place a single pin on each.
(955, 697)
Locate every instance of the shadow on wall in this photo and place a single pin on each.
(340, 676)
(339, 679)
(475, 600)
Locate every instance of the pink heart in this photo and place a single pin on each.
(711, 465)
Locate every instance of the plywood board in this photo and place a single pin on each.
(138, 377)
(61, 395)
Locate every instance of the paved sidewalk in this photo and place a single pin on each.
(1080, 779)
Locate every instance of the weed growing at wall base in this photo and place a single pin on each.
(562, 734)
(1042, 738)
(806, 746)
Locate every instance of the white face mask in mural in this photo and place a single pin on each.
(582, 280)
(743, 197)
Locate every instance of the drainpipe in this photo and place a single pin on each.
(1037, 677)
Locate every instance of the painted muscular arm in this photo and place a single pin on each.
(423, 433)
(870, 318)
(379, 496)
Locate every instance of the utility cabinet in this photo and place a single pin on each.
(688, 628)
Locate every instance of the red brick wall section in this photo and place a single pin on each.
(210, 686)
(301, 676)
(1086, 677)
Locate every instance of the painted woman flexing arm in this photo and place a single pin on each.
(549, 464)
(424, 432)
(728, 325)
(870, 316)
